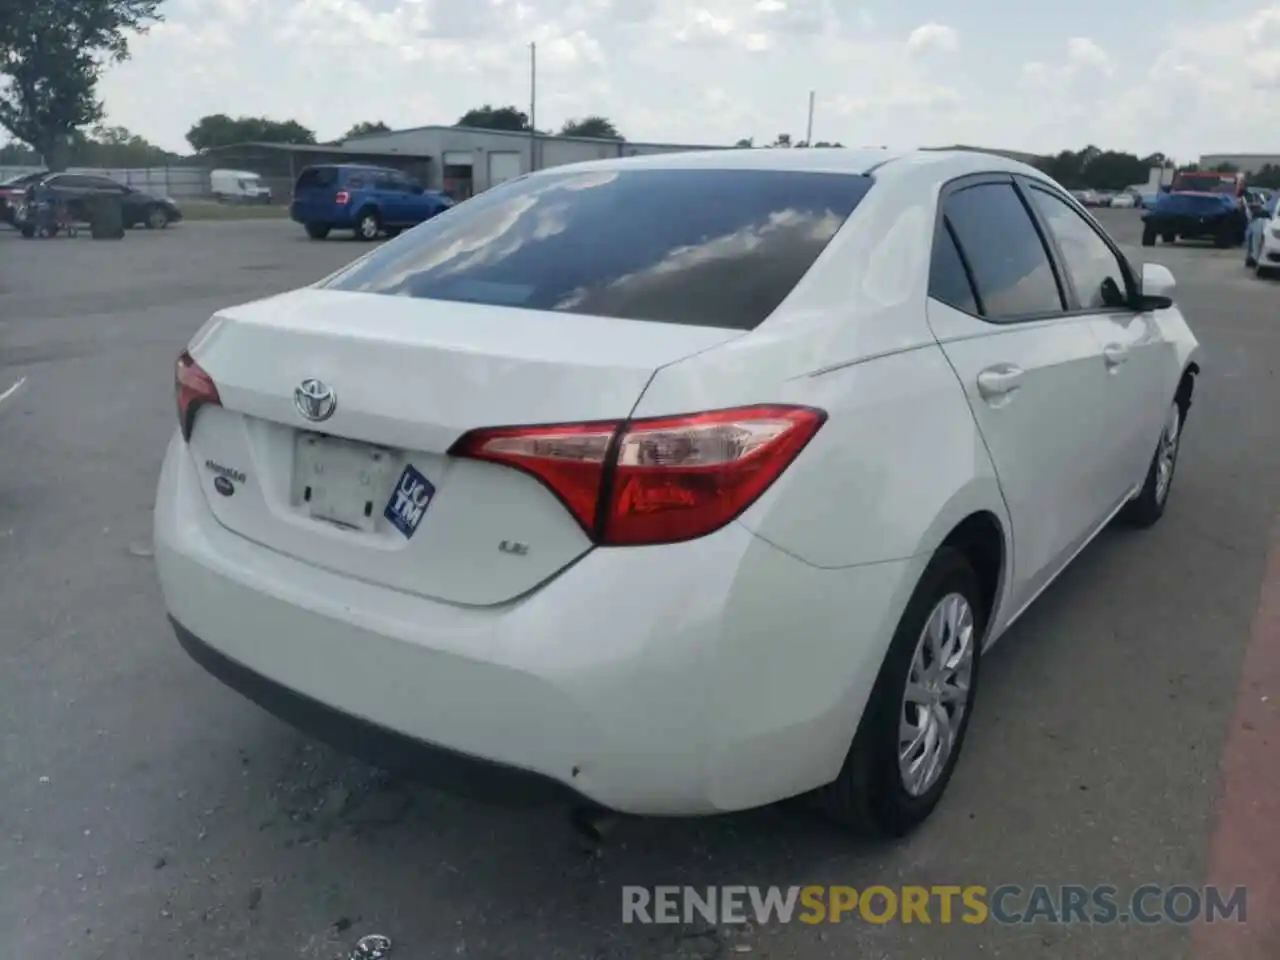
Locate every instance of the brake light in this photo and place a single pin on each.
(194, 389)
(658, 480)
(342, 197)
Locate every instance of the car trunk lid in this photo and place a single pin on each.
(369, 490)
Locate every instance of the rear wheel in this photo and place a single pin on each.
(367, 225)
(1148, 236)
(915, 721)
(157, 218)
(316, 231)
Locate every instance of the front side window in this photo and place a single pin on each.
(706, 247)
(1095, 271)
(1011, 268)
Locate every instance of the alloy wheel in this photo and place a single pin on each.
(1167, 452)
(937, 694)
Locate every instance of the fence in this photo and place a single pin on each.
(177, 182)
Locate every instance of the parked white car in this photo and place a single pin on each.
(1262, 241)
(672, 485)
(1123, 199)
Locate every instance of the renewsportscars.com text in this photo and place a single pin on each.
(971, 904)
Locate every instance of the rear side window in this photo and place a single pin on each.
(714, 248)
(948, 279)
(317, 177)
(1010, 265)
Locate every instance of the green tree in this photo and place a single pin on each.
(366, 127)
(782, 140)
(15, 154)
(490, 117)
(52, 53)
(596, 127)
(220, 130)
(117, 147)
(1268, 176)
(746, 143)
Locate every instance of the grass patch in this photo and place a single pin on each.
(209, 210)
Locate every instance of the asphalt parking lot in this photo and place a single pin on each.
(147, 812)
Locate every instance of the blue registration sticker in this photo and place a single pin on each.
(409, 502)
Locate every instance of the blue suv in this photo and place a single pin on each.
(368, 200)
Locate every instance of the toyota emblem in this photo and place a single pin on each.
(315, 400)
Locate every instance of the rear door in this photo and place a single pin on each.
(1140, 365)
(1033, 374)
(550, 300)
(314, 194)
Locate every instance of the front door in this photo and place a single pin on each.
(1033, 374)
(1134, 353)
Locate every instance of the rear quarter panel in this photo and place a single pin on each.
(899, 461)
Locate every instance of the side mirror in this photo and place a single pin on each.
(1157, 287)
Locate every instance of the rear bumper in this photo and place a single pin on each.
(1193, 226)
(455, 772)
(339, 218)
(716, 675)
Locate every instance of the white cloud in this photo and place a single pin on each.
(933, 36)
(1086, 52)
(1147, 79)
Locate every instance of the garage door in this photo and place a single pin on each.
(503, 166)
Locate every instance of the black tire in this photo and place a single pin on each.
(869, 795)
(157, 218)
(316, 231)
(1169, 237)
(1148, 506)
(1148, 236)
(1264, 273)
(368, 224)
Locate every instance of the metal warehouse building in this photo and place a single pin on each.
(1244, 162)
(464, 160)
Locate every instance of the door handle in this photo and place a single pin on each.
(1115, 354)
(999, 381)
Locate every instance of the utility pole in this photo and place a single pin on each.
(533, 107)
(808, 135)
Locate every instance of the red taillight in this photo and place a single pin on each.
(660, 480)
(194, 389)
(342, 197)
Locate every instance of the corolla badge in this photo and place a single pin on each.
(315, 400)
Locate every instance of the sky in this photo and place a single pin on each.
(1184, 78)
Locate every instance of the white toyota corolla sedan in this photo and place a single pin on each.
(671, 485)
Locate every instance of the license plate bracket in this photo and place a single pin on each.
(340, 481)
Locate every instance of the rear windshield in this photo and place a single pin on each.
(318, 177)
(714, 248)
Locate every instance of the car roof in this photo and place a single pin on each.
(919, 166)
